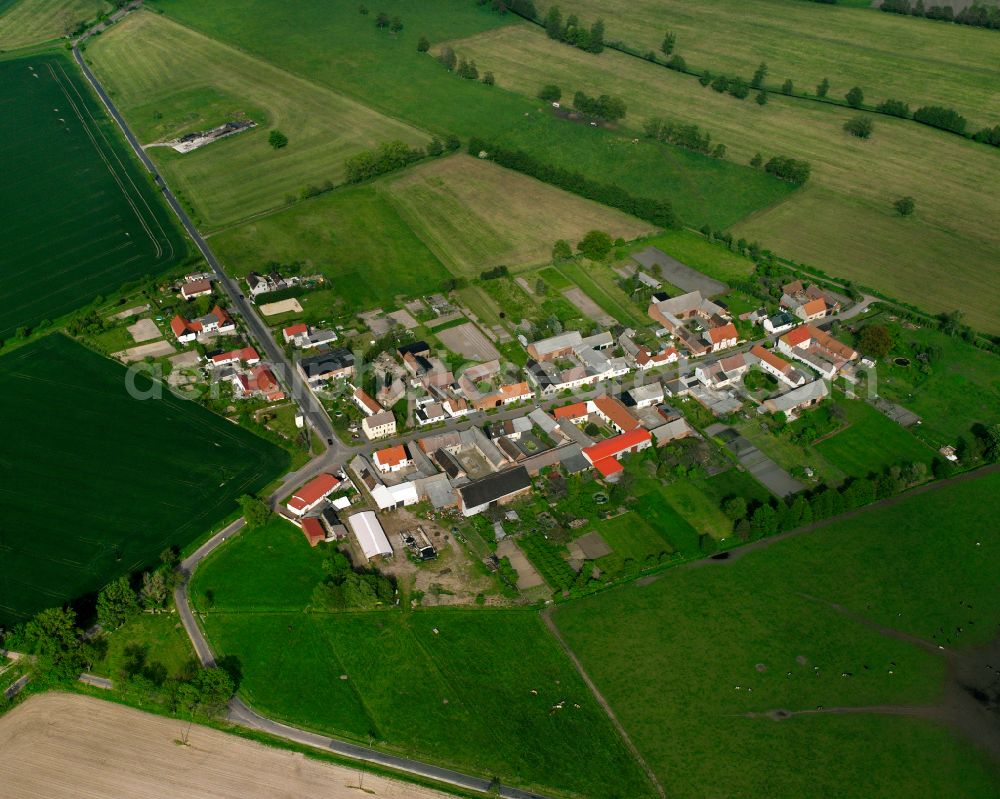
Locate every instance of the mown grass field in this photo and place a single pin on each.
(695, 651)
(80, 217)
(887, 55)
(870, 442)
(28, 22)
(153, 67)
(475, 215)
(843, 220)
(336, 46)
(354, 236)
(95, 483)
(439, 684)
(694, 250)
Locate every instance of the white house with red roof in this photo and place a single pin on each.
(778, 366)
(246, 355)
(604, 456)
(312, 494)
(645, 359)
(576, 413)
(614, 413)
(392, 459)
(294, 332)
(722, 337)
(217, 321)
(363, 400)
(257, 382)
(813, 309)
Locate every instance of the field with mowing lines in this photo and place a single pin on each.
(887, 55)
(354, 236)
(80, 216)
(695, 251)
(699, 650)
(476, 215)
(843, 220)
(28, 22)
(152, 66)
(438, 684)
(336, 46)
(95, 484)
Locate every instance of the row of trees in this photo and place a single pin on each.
(978, 15)
(393, 155)
(461, 67)
(572, 32)
(658, 211)
(524, 8)
(603, 107)
(792, 170)
(686, 135)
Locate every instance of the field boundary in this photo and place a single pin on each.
(599, 698)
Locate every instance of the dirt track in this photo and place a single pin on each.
(64, 746)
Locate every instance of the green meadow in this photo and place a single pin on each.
(694, 660)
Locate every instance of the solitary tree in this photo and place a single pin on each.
(488, 78)
(255, 510)
(382, 20)
(905, 206)
(855, 97)
(423, 45)
(761, 98)
(116, 604)
(595, 245)
(277, 139)
(757, 160)
(669, 40)
(787, 87)
(757, 81)
(822, 88)
(396, 25)
(550, 93)
(860, 126)
(561, 251)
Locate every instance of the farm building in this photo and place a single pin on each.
(477, 496)
(312, 494)
(370, 535)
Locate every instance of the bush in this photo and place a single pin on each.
(860, 126)
(423, 45)
(603, 107)
(905, 206)
(792, 170)
(550, 93)
(855, 97)
(989, 136)
(939, 117)
(277, 139)
(896, 108)
(595, 245)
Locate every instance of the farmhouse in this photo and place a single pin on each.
(604, 455)
(430, 413)
(808, 303)
(304, 337)
(379, 425)
(196, 288)
(645, 359)
(725, 371)
(816, 348)
(505, 395)
(395, 496)
(247, 355)
(613, 413)
(722, 337)
(367, 405)
(794, 401)
(313, 530)
(576, 413)
(779, 367)
(258, 382)
(333, 364)
(294, 332)
(644, 396)
(674, 311)
(501, 487)
(218, 321)
(312, 494)
(779, 323)
(369, 534)
(262, 284)
(392, 459)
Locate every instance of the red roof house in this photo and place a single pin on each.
(313, 531)
(632, 441)
(312, 493)
(615, 414)
(576, 412)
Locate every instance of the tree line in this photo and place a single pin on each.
(978, 15)
(659, 212)
(686, 135)
(393, 155)
(603, 107)
(572, 32)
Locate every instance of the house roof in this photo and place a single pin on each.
(814, 307)
(180, 326)
(362, 397)
(379, 419)
(608, 467)
(414, 348)
(574, 411)
(221, 314)
(313, 491)
(810, 392)
(514, 390)
(494, 487)
(799, 336)
(391, 456)
(611, 447)
(733, 362)
(332, 360)
(616, 412)
(196, 287)
(563, 341)
(313, 530)
(246, 354)
(770, 358)
(295, 330)
(717, 334)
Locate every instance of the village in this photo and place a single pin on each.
(444, 437)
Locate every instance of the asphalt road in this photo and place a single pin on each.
(239, 304)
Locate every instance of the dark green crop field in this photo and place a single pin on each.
(79, 217)
(94, 483)
(838, 629)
